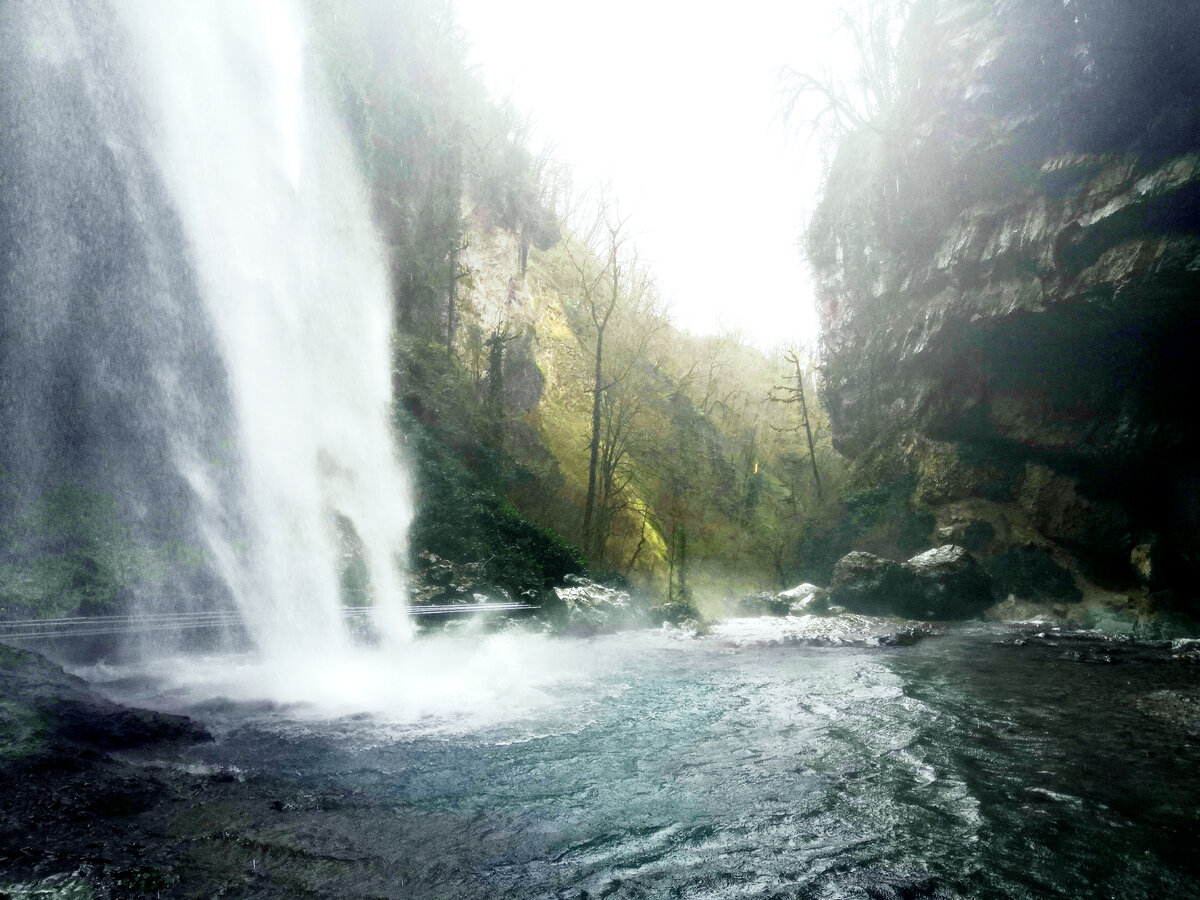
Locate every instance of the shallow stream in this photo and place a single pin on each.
(984, 762)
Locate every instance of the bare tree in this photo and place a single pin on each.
(787, 393)
(826, 104)
(611, 284)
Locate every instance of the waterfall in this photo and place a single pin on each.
(252, 346)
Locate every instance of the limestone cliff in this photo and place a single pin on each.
(1008, 271)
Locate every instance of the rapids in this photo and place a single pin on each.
(986, 762)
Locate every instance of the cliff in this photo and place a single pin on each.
(1008, 265)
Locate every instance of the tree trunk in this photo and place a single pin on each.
(682, 552)
(452, 297)
(495, 377)
(812, 453)
(589, 508)
(523, 253)
(640, 544)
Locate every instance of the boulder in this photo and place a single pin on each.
(869, 584)
(588, 607)
(952, 584)
(805, 599)
(764, 603)
(942, 583)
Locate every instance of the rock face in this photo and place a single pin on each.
(942, 583)
(1008, 268)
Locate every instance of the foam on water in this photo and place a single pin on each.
(444, 684)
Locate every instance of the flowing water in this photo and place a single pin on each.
(983, 763)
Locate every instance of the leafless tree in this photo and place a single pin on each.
(795, 393)
(611, 286)
(825, 104)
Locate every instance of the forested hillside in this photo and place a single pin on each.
(555, 416)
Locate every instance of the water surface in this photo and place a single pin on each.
(982, 763)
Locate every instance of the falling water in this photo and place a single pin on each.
(228, 187)
(295, 282)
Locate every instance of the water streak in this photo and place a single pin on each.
(295, 286)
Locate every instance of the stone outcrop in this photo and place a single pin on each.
(805, 598)
(952, 584)
(942, 583)
(588, 607)
(1008, 268)
(866, 583)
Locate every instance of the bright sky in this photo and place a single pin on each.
(675, 104)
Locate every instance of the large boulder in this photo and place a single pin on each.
(952, 584)
(942, 583)
(869, 584)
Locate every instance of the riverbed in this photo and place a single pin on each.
(982, 762)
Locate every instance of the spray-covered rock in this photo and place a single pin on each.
(587, 607)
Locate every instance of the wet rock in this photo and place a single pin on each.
(953, 585)
(806, 599)
(1030, 573)
(44, 710)
(942, 583)
(437, 581)
(587, 607)
(869, 584)
(763, 603)
(841, 630)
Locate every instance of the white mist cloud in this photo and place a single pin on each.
(676, 105)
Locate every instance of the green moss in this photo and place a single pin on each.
(22, 730)
(462, 515)
(73, 551)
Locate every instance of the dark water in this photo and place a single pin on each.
(976, 764)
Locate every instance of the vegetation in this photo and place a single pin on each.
(554, 418)
(546, 400)
(74, 552)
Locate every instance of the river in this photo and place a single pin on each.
(984, 762)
